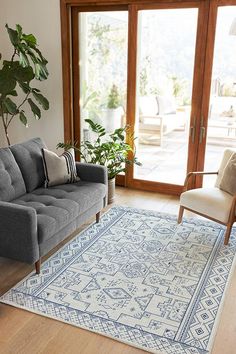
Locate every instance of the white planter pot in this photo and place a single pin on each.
(111, 190)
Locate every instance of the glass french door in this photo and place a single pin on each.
(220, 116)
(143, 65)
(165, 68)
(170, 47)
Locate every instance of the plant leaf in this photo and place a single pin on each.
(29, 39)
(41, 72)
(42, 59)
(24, 74)
(34, 108)
(19, 30)
(24, 86)
(23, 119)
(7, 82)
(10, 106)
(41, 100)
(24, 60)
(13, 35)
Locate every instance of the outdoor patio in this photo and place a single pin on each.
(167, 163)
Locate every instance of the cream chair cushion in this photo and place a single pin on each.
(212, 202)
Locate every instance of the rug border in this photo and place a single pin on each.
(185, 219)
(222, 303)
(82, 327)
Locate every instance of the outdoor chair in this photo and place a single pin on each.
(217, 203)
(158, 117)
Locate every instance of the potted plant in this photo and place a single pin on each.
(112, 114)
(111, 151)
(26, 64)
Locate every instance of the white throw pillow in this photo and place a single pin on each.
(59, 169)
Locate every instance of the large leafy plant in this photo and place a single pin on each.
(112, 151)
(26, 64)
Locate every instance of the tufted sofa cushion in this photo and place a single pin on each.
(58, 206)
(28, 156)
(11, 181)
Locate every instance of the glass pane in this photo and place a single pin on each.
(103, 69)
(166, 51)
(222, 108)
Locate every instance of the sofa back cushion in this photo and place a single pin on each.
(28, 156)
(12, 184)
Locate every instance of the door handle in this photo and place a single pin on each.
(192, 130)
(202, 134)
(202, 130)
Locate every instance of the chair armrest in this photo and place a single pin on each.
(196, 173)
(156, 118)
(18, 232)
(92, 172)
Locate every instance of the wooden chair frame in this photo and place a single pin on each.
(232, 217)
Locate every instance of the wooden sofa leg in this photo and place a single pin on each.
(227, 233)
(98, 217)
(180, 216)
(37, 266)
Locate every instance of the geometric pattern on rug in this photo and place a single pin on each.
(137, 277)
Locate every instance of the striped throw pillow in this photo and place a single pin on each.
(59, 169)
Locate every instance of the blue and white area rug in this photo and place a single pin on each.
(139, 278)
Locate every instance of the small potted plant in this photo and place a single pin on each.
(112, 152)
(112, 114)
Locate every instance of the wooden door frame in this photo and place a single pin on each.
(72, 126)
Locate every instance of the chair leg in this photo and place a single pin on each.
(227, 233)
(180, 216)
(37, 266)
(98, 217)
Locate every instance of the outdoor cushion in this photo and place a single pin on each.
(166, 104)
(11, 181)
(28, 156)
(148, 106)
(57, 206)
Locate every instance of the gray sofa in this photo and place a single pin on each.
(34, 219)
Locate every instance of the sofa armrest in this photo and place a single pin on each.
(18, 232)
(92, 173)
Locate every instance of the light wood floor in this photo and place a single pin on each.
(22, 332)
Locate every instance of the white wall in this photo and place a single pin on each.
(41, 18)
